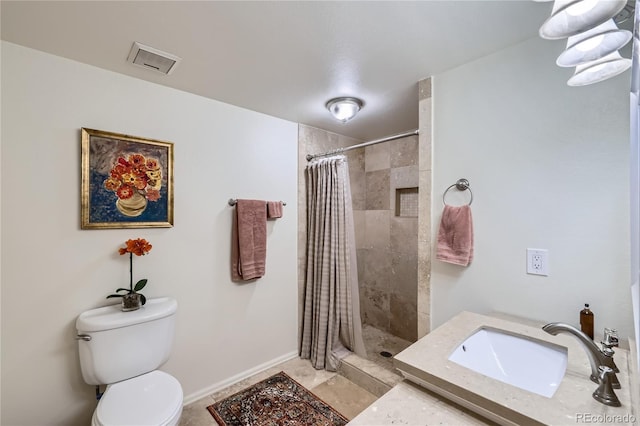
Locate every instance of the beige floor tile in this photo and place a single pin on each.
(346, 397)
(196, 413)
(302, 372)
(298, 369)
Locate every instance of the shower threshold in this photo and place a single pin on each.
(376, 373)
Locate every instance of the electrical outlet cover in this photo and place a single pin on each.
(538, 261)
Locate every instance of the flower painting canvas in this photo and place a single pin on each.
(127, 181)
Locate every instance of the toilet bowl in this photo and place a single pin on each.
(153, 399)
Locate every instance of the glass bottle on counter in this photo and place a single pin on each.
(586, 321)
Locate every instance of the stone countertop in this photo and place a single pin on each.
(409, 404)
(427, 361)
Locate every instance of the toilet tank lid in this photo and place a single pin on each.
(110, 317)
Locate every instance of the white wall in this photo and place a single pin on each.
(634, 186)
(549, 168)
(52, 270)
(634, 181)
(0, 227)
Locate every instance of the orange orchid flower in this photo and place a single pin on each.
(139, 247)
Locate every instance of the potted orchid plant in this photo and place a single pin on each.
(131, 299)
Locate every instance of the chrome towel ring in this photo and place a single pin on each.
(460, 185)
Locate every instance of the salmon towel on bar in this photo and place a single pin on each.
(249, 240)
(274, 209)
(455, 237)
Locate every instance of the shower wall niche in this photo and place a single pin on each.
(386, 218)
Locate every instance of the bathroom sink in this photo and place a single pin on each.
(529, 364)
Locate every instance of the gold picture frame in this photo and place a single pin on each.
(127, 181)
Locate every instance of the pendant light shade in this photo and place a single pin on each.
(593, 44)
(571, 17)
(344, 109)
(599, 70)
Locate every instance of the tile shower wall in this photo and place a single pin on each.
(387, 237)
(424, 207)
(387, 245)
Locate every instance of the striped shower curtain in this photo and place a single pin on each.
(331, 325)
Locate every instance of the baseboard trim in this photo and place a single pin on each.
(192, 397)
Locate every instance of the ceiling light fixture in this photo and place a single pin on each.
(571, 17)
(599, 70)
(593, 44)
(344, 108)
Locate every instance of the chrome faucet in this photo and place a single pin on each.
(605, 393)
(597, 357)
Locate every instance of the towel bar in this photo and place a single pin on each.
(233, 202)
(461, 185)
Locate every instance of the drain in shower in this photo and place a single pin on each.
(386, 354)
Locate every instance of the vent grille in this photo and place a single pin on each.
(153, 59)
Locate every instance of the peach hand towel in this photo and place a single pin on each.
(455, 237)
(249, 240)
(274, 209)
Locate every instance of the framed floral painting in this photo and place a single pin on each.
(127, 181)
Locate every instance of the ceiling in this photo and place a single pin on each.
(284, 59)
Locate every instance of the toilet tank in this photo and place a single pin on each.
(125, 344)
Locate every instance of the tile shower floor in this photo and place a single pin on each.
(339, 392)
(377, 341)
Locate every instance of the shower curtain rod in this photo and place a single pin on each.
(362, 145)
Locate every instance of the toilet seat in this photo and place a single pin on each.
(153, 399)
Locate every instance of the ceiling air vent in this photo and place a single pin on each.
(153, 59)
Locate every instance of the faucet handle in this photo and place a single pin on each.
(605, 393)
(607, 351)
(610, 337)
(607, 345)
(608, 359)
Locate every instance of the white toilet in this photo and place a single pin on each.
(123, 350)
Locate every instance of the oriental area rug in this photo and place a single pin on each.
(276, 401)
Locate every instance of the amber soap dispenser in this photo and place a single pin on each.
(586, 321)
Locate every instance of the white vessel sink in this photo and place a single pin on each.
(531, 365)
